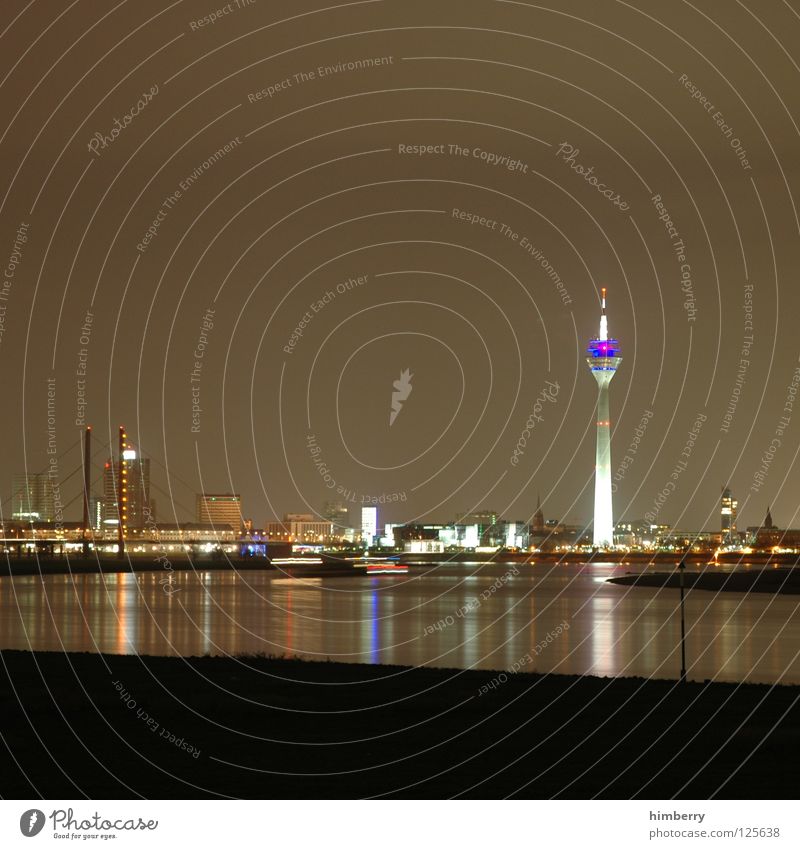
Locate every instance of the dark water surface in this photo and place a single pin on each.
(562, 619)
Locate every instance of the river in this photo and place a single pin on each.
(544, 618)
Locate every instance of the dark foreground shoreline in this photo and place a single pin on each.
(117, 726)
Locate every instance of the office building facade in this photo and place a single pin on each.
(138, 506)
(32, 498)
(219, 509)
(369, 525)
(728, 509)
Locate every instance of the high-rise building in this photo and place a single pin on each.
(387, 540)
(339, 514)
(369, 524)
(537, 526)
(137, 507)
(219, 509)
(517, 534)
(96, 512)
(32, 498)
(729, 507)
(604, 359)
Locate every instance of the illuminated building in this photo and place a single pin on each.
(299, 527)
(423, 546)
(729, 506)
(369, 524)
(339, 514)
(603, 360)
(193, 532)
(769, 536)
(135, 481)
(482, 528)
(448, 535)
(219, 509)
(643, 534)
(387, 540)
(517, 535)
(457, 536)
(96, 512)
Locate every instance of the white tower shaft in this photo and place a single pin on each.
(603, 361)
(603, 507)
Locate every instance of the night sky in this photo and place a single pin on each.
(447, 199)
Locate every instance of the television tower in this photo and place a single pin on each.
(603, 360)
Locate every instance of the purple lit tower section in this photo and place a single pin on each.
(604, 358)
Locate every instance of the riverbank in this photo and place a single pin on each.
(336, 565)
(756, 580)
(625, 558)
(140, 565)
(121, 726)
(10, 567)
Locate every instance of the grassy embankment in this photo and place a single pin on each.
(120, 726)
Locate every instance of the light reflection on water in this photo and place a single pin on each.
(414, 619)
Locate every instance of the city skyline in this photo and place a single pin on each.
(335, 518)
